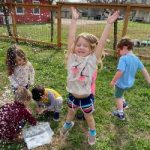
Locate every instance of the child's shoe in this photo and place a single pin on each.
(125, 105)
(91, 140)
(120, 116)
(92, 137)
(56, 116)
(66, 127)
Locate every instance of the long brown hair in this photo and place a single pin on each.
(12, 52)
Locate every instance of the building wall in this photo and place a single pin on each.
(29, 17)
(139, 1)
(141, 14)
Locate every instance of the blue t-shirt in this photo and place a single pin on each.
(129, 64)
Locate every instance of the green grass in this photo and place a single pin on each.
(41, 32)
(131, 134)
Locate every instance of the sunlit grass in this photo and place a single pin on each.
(42, 32)
(131, 134)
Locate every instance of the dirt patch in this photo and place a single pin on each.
(142, 135)
(56, 144)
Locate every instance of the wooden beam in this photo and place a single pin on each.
(59, 26)
(125, 25)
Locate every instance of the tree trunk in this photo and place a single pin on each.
(6, 10)
(52, 26)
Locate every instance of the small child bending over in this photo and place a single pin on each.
(84, 53)
(14, 116)
(20, 70)
(124, 78)
(47, 100)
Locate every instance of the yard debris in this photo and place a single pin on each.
(6, 96)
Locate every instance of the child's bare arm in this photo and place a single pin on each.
(72, 28)
(146, 75)
(116, 77)
(39, 110)
(12, 81)
(111, 19)
(31, 74)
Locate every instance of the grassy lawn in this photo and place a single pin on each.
(112, 134)
(41, 32)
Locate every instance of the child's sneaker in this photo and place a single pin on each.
(91, 139)
(125, 105)
(56, 116)
(120, 116)
(66, 127)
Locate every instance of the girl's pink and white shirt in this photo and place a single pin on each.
(23, 75)
(80, 72)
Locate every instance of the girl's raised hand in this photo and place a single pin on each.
(75, 13)
(112, 18)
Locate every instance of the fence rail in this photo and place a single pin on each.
(127, 9)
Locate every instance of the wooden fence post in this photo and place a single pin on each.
(13, 15)
(59, 42)
(128, 10)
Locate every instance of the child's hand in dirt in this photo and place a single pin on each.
(40, 110)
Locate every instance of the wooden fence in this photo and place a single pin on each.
(127, 8)
(12, 10)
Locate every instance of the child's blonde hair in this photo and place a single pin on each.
(22, 94)
(92, 40)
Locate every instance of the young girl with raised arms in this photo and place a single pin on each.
(83, 55)
(20, 70)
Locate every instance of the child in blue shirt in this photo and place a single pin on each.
(124, 78)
